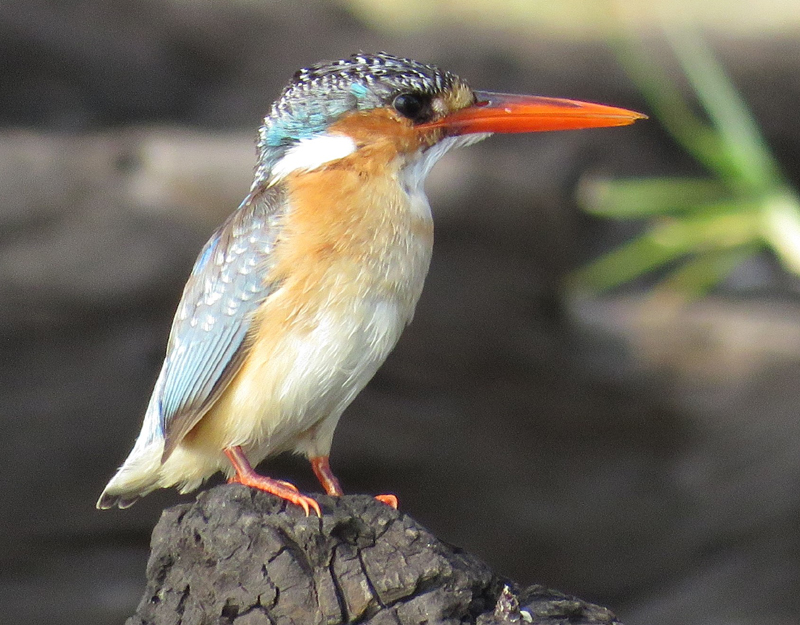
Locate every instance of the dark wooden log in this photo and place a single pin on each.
(244, 557)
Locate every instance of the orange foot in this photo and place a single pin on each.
(322, 469)
(389, 500)
(245, 474)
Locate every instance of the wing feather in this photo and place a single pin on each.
(227, 285)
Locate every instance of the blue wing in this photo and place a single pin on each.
(207, 341)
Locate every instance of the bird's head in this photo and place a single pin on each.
(382, 107)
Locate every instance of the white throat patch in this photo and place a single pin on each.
(312, 153)
(417, 172)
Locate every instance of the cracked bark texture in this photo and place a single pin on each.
(244, 557)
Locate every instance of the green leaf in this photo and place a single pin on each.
(622, 264)
(780, 214)
(646, 197)
(735, 126)
(703, 227)
(667, 240)
(710, 230)
(667, 103)
(698, 275)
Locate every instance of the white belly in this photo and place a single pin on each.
(313, 376)
(290, 397)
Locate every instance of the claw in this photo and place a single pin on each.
(306, 503)
(288, 485)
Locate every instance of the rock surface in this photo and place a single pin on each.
(244, 557)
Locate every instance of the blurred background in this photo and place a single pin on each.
(606, 406)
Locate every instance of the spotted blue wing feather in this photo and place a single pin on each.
(207, 343)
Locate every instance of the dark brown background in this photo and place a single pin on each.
(647, 463)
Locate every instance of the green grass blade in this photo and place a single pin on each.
(669, 240)
(735, 126)
(647, 197)
(623, 264)
(698, 275)
(667, 104)
(781, 227)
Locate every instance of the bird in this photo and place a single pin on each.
(300, 295)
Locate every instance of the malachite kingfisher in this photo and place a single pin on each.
(301, 294)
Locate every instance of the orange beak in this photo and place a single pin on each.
(505, 112)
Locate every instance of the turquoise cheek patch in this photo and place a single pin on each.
(361, 93)
(358, 90)
(307, 121)
(289, 131)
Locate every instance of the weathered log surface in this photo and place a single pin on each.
(243, 557)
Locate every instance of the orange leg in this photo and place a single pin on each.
(245, 474)
(322, 469)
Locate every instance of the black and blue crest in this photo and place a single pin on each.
(318, 94)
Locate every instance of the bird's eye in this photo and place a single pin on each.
(412, 106)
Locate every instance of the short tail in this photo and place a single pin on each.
(140, 473)
(135, 478)
(107, 500)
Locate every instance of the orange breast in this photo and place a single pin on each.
(354, 213)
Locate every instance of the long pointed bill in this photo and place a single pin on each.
(505, 112)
